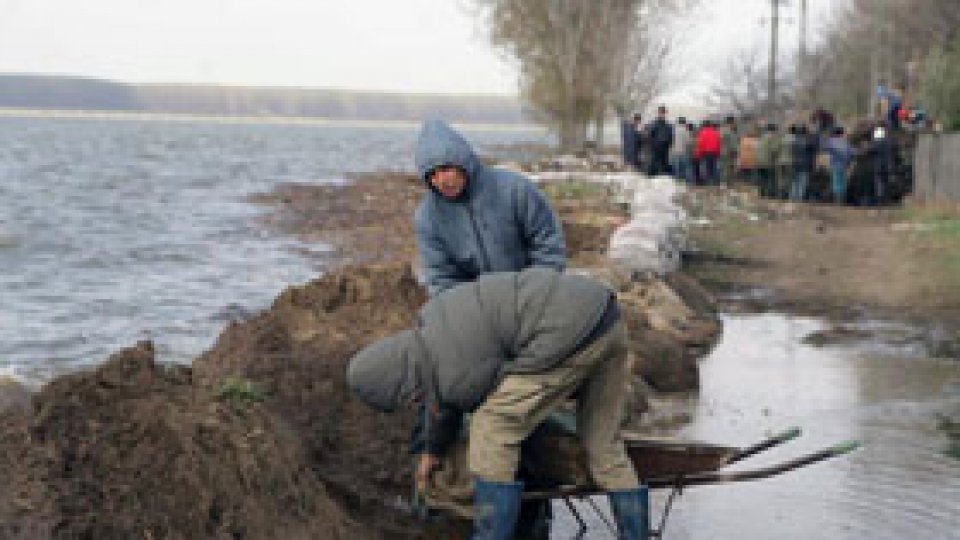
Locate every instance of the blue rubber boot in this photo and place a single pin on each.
(631, 512)
(496, 506)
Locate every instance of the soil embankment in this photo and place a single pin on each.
(259, 437)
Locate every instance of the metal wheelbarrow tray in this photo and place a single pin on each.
(554, 466)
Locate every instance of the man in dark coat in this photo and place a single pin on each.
(510, 348)
(883, 152)
(805, 148)
(660, 135)
(630, 142)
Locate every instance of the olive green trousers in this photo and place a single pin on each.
(597, 376)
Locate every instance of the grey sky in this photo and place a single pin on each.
(398, 45)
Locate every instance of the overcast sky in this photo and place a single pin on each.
(435, 46)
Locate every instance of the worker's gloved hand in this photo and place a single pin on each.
(426, 464)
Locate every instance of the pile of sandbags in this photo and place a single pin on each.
(655, 236)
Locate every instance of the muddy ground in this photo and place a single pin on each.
(837, 262)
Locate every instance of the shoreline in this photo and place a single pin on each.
(122, 115)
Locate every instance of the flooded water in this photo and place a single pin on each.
(762, 379)
(113, 231)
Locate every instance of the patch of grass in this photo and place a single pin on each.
(943, 233)
(240, 392)
(717, 248)
(723, 238)
(574, 190)
(946, 235)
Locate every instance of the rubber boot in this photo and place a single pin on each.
(496, 506)
(631, 512)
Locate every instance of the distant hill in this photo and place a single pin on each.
(82, 93)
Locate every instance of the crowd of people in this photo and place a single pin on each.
(695, 153)
(781, 162)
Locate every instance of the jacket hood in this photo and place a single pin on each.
(438, 145)
(385, 375)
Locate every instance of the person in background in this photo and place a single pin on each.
(841, 155)
(783, 149)
(475, 219)
(696, 175)
(894, 106)
(510, 348)
(639, 129)
(805, 149)
(823, 120)
(709, 145)
(883, 151)
(660, 137)
(680, 150)
(629, 143)
(730, 140)
(767, 161)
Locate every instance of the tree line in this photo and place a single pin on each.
(910, 47)
(81, 93)
(584, 60)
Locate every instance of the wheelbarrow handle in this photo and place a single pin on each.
(766, 444)
(703, 479)
(709, 478)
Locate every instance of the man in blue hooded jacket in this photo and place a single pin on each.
(476, 219)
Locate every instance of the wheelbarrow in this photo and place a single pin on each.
(554, 467)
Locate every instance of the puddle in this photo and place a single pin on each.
(761, 379)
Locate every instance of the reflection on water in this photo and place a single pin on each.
(761, 379)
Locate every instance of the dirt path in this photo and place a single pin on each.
(827, 259)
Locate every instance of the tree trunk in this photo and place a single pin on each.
(573, 132)
(599, 125)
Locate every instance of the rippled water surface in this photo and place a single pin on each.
(112, 231)
(761, 379)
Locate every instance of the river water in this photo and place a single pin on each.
(117, 230)
(762, 379)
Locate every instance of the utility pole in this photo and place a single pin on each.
(772, 73)
(802, 53)
(802, 75)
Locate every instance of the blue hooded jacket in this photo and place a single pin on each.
(500, 223)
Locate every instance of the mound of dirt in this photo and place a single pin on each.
(136, 450)
(298, 351)
(260, 438)
(12, 394)
(672, 324)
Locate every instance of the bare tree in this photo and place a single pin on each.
(644, 70)
(873, 41)
(580, 57)
(742, 87)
